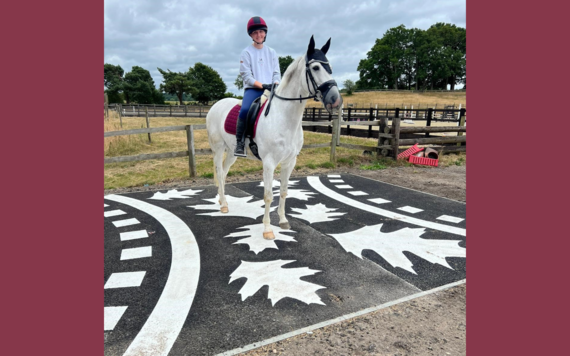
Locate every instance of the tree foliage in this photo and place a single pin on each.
(284, 63)
(239, 82)
(138, 87)
(349, 85)
(413, 58)
(175, 83)
(207, 85)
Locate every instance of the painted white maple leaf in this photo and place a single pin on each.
(282, 282)
(316, 213)
(173, 193)
(238, 206)
(392, 244)
(300, 194)
(255, 240)
(277, 184)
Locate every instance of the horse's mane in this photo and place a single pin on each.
(291, 71)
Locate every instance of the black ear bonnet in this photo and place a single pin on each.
(320, 57)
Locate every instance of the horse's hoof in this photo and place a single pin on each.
(268, 235)
(224, 210)
(285, 225)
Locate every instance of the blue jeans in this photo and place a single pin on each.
(249, 95)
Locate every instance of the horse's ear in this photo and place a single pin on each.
(326, 46)
(311, 48)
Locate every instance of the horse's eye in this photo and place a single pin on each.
(316, 68)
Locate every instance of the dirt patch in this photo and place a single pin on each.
(434, 324)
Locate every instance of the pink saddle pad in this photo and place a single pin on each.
(230, 125)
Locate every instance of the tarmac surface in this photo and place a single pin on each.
(183, 279)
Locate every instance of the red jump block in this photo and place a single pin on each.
(423, 161)
(410, 151)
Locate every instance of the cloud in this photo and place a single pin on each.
(177, 34)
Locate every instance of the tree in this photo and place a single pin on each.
(349, 86)
(207, 83)
(284, 63)
(113, 82)
(138, 87)
(239, 82)
(175, 83)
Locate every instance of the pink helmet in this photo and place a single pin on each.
(256, 23)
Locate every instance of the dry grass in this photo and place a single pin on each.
(132, 174)
(401, 99)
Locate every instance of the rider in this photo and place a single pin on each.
(258, 64)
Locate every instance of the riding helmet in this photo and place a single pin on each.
(256, 23)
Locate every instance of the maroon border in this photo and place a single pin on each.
(52, 294)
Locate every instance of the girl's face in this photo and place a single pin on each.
(258, 36)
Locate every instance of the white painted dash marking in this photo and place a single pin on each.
(137, 252)
(132, 235)
(105, 205)
(125, 279)
(357, 193)
(410, 209)
(112, 316)
(452, 219)
(333, 176)
(345, 186)
(379, 201)
(126, 222)
(336, 181)
(319, 187)
(113, 213)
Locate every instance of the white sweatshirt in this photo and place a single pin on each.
(259, 64)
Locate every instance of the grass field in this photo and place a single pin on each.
(132, 174)
(401, 99)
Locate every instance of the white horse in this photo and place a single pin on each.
(279, 134)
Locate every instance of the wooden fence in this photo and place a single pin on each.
(390, 136)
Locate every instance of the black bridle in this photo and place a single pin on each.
(318, 89)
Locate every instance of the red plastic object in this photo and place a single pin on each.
(410, 151)
(423, 161)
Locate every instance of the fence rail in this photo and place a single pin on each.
(390, 135)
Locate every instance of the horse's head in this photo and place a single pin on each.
(319, 76)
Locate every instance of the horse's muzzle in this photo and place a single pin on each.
(331, 97)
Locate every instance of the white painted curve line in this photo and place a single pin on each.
(113, 213)
(126, 222)
(125, 279)
(132, 235)
(112, 316)
(318, 186)
(452, 219)
(166, 320)
(137, 252)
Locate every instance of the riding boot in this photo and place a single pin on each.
(240, 138)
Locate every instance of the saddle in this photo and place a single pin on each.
(253, 115)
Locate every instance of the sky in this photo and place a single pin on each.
(175, 35)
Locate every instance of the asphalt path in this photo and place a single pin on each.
(183, 279)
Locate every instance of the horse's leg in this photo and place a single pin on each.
(268, 169)
(286, 169)
(220, 179)
(230, 159)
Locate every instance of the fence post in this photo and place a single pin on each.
(314, 128)
(191, 151)
(170, 110)
(154, 105)
(121, 114)
(106, 105)
(396, 133)
(429, 117)
(339, 128)
(334, 139)
(370, 118)
(185, 110)
(381, 127)
(461, 122)
(348, 120)
(147, 122)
